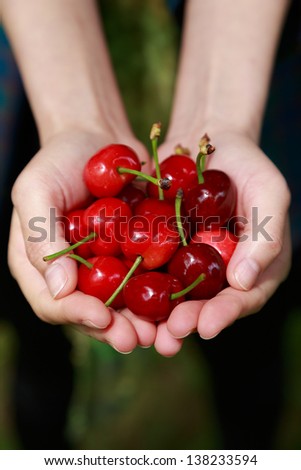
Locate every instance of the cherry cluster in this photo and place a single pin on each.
(151, 246)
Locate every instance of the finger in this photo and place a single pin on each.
(183, 319)
(61, 274)
(231, 304)
(165, 344)
(145, 330)
(86, 313)
(120, 334)
(76, 308)
(262, 239)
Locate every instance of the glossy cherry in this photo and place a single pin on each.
(151, 237)
(180, 170)
(212, 203)
(160, 208)
(101, 171)
(155, 206)
(131, 195)
(149, 295)
(191, 261)
(102, 278)
(129, 264)
(107, 217)
(165, 208)
(221, 239)
(76, 230)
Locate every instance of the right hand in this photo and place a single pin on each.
(53, 179)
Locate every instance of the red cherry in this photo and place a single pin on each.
(160, 208)
(103, 278)
(211, 203)
(180, 170)
(106, 217)
(155, 206)
(131, 195)
(151, 237)
(148, 295)
(191, 261)
(221, 239)
(101, 175)
(129, 263)
(76, 230)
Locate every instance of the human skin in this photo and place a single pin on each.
(225, 65)
(78, 109)
(227, 54)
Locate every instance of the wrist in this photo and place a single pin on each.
(187, 129)
(226, 59)
(113, 127)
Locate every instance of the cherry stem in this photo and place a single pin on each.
(178, 202)
(162, 183)
(138, 260)
(81, 260)
(200, 166)
(154, 134)
(187, 289)
(180, 150)
(205, 149)
(91, 236)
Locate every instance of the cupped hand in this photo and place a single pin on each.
(50, 185)
(262, 258)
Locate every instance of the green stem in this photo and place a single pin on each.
(150, 178)
(157, 165)
(187, 289)
(139, 259)
(81, 260)
(200, 166)
(161, 183)
(178, 202)
(154, 134)
(91, 236)
(205, 149)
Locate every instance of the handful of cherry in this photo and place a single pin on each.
(151, 249)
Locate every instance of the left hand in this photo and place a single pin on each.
(259, 264)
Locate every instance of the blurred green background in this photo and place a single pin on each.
(142, 400)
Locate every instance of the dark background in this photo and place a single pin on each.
(141, 400)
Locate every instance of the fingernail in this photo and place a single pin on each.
(209, 337)
(185, 335)
(116, 349)
(91, 324)
(122, 352)
(56, 278)
(246, 273)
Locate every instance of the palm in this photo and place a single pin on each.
(261, 192)
(53, 179)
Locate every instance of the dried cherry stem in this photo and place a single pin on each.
(81, 260)
(205, 149)
(178, 202)
(187, 289)
(138, 260)
(91, 236)
(180, 150)
(154, 135)
(162, 183)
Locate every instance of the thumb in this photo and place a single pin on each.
(260, 244)
(43, 232)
